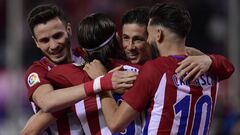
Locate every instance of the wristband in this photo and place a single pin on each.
(101, 83)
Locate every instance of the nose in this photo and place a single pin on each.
(53, 44)
(130, 45)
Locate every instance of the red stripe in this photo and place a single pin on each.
(92, 115)
(88, 87)
(63, 125)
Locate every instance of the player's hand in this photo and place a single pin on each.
(95, 69)
(193, 66)
(193, 51)
(123, 79)
(110, 81)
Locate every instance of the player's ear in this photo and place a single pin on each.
(69, 29)
(118, 37)
(159, 35)
(35, 40)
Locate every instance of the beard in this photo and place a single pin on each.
(154, 50)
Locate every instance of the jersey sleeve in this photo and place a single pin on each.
(221, 67)
(141, 92)
(34, 77)
(67, 75)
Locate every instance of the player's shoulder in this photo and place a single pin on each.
(64, 68)
(36, 67)
(35, 74)
(160, 62)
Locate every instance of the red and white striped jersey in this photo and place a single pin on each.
(67, 123)
(175, 106)
(89, 110)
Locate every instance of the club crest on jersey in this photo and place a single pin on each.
(33, 79)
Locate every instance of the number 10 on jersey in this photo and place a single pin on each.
(182, 111)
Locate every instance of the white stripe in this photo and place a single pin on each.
(156, 113)
(182, 91)
(138, 125)
(97, 85)
(217, 88)
(102, 123)
(206, 91)
(74, 124)
(81, 113)
(33, 107)
(143, 122)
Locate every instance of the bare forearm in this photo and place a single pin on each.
(108, 107)
(38, 123)
(61, 98)
(117, 118)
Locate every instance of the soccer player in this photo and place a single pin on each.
(51, 32)
(134, 42)
(174, 106)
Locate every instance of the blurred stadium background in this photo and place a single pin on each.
(216, 29)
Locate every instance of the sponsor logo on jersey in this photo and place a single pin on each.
(33, 79)
(130, 68)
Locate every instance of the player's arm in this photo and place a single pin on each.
(50, 100)
(193, 51)
(194, 66)
(221, 67)
(38, 123)
(117, 117)
(95, 69)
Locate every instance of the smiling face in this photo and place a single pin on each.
(134, 40)
(53, 38)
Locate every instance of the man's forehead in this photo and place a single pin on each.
(134, 25)
(48, 29)
(134, 29)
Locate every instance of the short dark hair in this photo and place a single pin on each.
(137, 15)
(97, 35)
(43, 13)
(172, 16)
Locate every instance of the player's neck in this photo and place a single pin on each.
(172, 47)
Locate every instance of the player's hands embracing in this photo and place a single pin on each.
(123, 79)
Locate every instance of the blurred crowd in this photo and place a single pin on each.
(209, 34)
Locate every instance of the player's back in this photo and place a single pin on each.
(177, 106)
